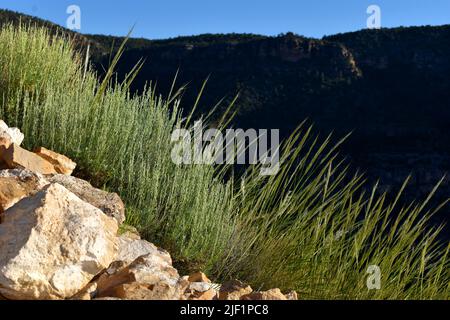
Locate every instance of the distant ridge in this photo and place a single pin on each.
(390, 87)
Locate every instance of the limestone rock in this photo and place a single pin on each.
(198, 277)
(149, 277)
(17, 184)
(201, 291)
(130, 249)
(201, 286)
(234, 290)
(144, 291)
(272, 294)
(16, 157)
(109, 203)
(61, 163)
(52, 244)
(10, 135)
(26, 176)
(210, 294)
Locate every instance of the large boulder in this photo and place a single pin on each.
(109, 203)
(61, 163)
(53, 244)
(16, 157)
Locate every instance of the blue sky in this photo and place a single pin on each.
(169, 18)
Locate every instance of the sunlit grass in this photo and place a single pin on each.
(309, 228)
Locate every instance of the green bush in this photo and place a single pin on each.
(309, 228)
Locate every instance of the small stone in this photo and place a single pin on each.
(234, 290)
(272, 294)
(210, 294)
(198, 277)
(61, 163)
(143, 291)
(201, 291)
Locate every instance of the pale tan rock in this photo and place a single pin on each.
(16, 157)
(109, 203)
(61, 163)
(201, 291)
(88, 293)
(52, 244)
(130, 249)
(10, 193)
(234, 290)
(272, 294)
(17, 184)
(202, 286)
(198, 277)
(3, 125)
(149, 277)
(143, 291)
(11, 135)
(210, 294)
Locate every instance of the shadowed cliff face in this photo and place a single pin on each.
(390, 87)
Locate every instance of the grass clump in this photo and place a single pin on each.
(309, 228)
(122, 141)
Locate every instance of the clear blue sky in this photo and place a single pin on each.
(170, 18)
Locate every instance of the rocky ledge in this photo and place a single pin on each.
(60, 239)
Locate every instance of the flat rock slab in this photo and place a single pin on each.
(16, 157)
(61, 163)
